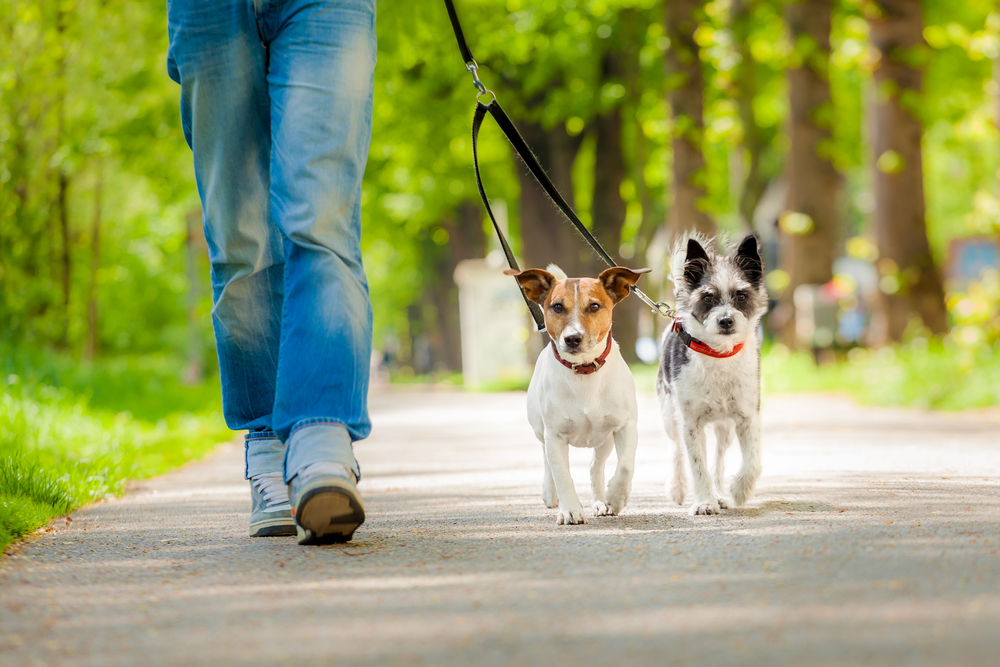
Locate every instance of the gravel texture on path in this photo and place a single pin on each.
(873, 540)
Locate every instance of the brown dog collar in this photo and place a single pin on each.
(584, 369)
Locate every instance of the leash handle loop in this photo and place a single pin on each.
(477, 121)
(523, 151)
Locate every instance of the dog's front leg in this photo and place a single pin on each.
(597, 464)
(704, 497)
(620, 487)
(549, 495)
(557, 457)
(723, 438)
(748, 433)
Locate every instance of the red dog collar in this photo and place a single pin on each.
(584, 369)
(696, 345)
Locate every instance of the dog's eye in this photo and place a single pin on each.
(741, 297)
(557, 308)
(594, 307)
(708, 298)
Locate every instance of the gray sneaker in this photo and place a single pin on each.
(325, 503)
(271, 513)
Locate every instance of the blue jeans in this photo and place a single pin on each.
(276, 103)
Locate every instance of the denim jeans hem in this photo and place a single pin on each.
(262, 454)
(317, 440)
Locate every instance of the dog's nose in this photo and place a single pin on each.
(726, 322)
(573, 341)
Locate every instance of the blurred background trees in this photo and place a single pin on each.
(841, 131)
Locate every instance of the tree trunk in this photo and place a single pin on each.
(685, 96)
(90, 347)
(66, 254)
(466, 240)
(608, 208)
(546, 236)
(911, 283)
(746, 86)
(809, 225)
(653, 208)
(62, 205)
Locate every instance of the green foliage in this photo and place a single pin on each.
(943, 375)
(84, 99)
(72, 433)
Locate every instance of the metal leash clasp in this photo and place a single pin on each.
(659, 307)
(472, 66)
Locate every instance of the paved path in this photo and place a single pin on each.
(873, 540)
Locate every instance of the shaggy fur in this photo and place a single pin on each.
(719, 300)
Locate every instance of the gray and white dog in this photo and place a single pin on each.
(710, 370)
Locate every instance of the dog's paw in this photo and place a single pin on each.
(723, 503)
(742, 491)
(677, 494)
(618, 494)
(570, 517)
(600, 509)
(550, 497)
(616, 504)
(698, 509)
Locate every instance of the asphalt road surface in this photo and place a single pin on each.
(872, 541)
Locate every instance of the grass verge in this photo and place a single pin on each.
(71, 433)
(929, 374)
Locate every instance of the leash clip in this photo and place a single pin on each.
(658, 307)
(472, 66)
(663, 309)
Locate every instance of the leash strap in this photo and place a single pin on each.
(477, 121)
(459, 35)
(531, 162)
(523, 151)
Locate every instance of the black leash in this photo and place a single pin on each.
(477, 121)
(523, 151)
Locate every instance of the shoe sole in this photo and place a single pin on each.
(330, 513)
(282, 527)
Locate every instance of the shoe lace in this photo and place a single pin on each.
(272, 488)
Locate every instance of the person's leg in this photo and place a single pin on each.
(322, 61)
(216, 56)
(320, 76)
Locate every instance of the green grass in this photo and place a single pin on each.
(939, 375)
(71, 433)
(934, 374)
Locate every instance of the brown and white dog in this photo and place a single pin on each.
(582, 392)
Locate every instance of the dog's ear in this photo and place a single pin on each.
(534, 282)
(695, 264)
(748, 259)
(617, 280)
